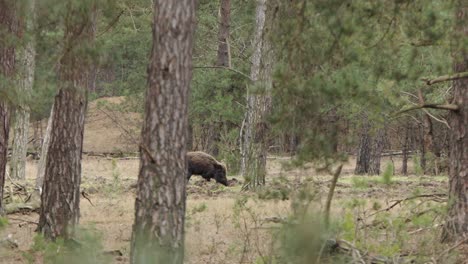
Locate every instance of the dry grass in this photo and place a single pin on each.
(215, 232)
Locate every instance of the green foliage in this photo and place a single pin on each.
(348, 226)
(200, 208)
(418, 170)
(279, 189)
(343, 58)
(360, 182)
(307, 242)
(85, 248)
(3, 222)
(387, 174)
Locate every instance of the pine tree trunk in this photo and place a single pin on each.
(428, 143)
(61, 193)
(364, 149)
(223, 60)
(26, 67)
(8, 28)
(404, 165)
(224, 55)
(44, 151)
(4, 132)
(422, 148)
(378, 144)
(456, 227)
(158, 230)
(255, 138)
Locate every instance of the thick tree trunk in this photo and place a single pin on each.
(61, 189)
(26, 67)
(158, 230)
(456, 227)
(8, 29)
(255, 138)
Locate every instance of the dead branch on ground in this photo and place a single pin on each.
(435, 196)
(445, 78)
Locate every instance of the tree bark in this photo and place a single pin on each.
(456, 227)
(213, 136)
(224, 54)
(428, 154)
(404, 166)
(44, 151)
(26, 67)
(364, 149)
(158, 230)
(255, 138)
(8, 29)
(378, 144)
(61, 189)
(370, 149)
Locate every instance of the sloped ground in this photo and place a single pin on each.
(110, 127)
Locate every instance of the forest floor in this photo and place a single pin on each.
(216, 232)
(226, 225)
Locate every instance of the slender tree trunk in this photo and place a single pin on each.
(456, 227)
(26, 68)
(378, 144)
(255, 139)
(404, 166)
(61, 189)
(44, 150)
(364, 150)
(224, 60)
(422, 148)
(428, 142)
(190, 137)
(370, 149)
(8, 29)
(4, 131)
(224, 54)
(158, 230)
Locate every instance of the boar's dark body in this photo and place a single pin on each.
(203, 164)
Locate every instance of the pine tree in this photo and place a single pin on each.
(60, 197)
(158, 230)
(8, 30)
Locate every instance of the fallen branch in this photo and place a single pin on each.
(450, 249)
(275, 219)
(115, 252)
(19, 186)
(22, 220)
(450, 107)
(397, 202)
(225, 68)
(8, 243)
(21, 207)
(445, 78)
(361, 256)
(111, 24)
(85, 195)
